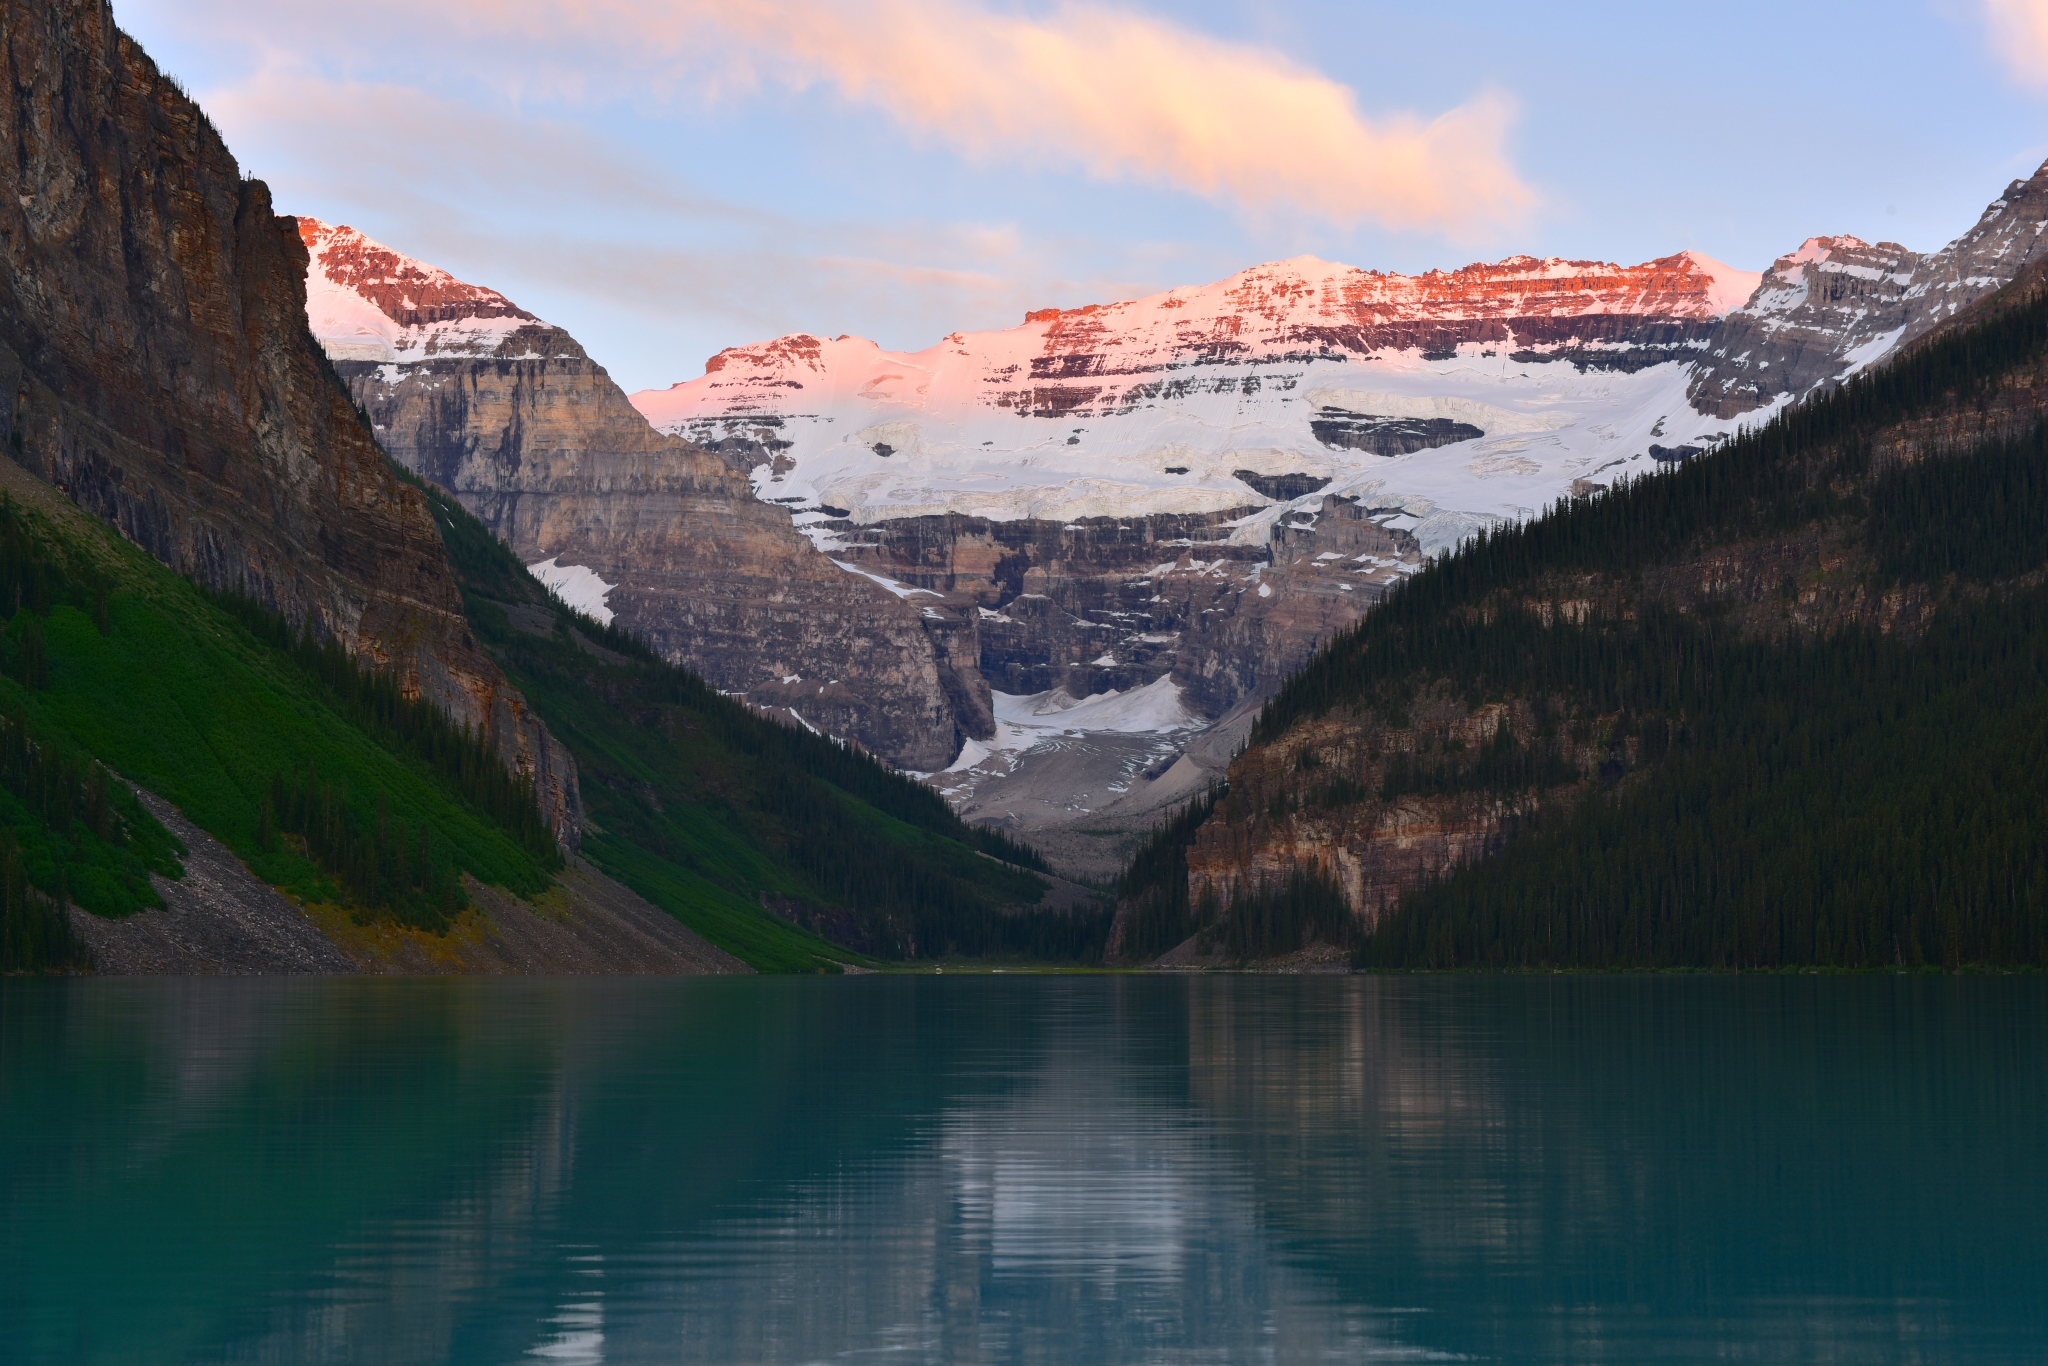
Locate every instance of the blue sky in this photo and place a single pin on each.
(668, 177)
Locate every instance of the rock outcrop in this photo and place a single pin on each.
(510, 415)
(155, 355)
(1838, 305)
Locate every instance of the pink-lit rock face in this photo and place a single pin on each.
(366, 302)
(1098, 359)
(408, 292)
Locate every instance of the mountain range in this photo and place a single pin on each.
(954, 554)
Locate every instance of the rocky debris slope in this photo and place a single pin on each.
(510, 415)
(218, 920)
(158, 370)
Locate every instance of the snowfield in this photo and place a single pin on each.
(1161, 405)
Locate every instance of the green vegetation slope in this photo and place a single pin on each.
(764, 838)
(113, 664)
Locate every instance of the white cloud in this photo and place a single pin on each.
(1116, 93)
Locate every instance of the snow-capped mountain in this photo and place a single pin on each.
(366, 302)
(1290, 376)
(1467, 395)
(1188, 490)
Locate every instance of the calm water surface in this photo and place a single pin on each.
(1062, 1170)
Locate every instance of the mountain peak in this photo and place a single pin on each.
(367, 301)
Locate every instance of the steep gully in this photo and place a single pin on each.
(1198, 487)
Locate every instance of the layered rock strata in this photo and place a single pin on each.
(510, 415)
(155, 355)
(1116, 603)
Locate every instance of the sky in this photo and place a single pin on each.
(666, 178)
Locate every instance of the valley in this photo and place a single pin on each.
(1191, 491)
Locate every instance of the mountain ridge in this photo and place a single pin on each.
(511, 415)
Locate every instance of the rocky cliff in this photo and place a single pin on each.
(154, 350)
(1837, 305)
(509, 414)
(1206, 483)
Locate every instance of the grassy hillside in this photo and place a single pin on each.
(718, 814)
(109, 659)
(1786, 705)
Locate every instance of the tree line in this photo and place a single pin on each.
(460, 755)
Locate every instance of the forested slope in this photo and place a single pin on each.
(764, 838)
(1784, 705)
(317, 774)
(331, 785)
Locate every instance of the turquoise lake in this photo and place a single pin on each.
(1025, 1169)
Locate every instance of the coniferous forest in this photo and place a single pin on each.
(1863, 791)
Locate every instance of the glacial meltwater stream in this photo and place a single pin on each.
(1025, 1169)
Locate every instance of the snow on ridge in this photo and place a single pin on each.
(1163, 404)
(368, 302)
(1152, 709)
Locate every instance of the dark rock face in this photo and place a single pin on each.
(1281, 488)
(1340, 429)
(1077, 605)
(1117, 602)
(154, 351)
(1327, 567)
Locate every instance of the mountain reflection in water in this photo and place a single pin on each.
(1025, 1170)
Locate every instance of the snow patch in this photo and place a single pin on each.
(577, 586)
(1154, 709)
(901, 590)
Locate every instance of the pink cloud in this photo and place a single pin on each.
(1128, 95)
(2019, 35)
(1116, 93)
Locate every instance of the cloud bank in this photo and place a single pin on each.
(1127, 95)
(1118, 94)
